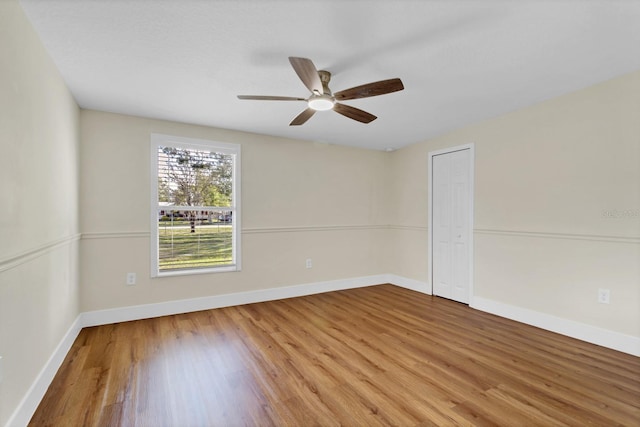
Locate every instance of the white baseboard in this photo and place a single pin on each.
(592, 334)
(29, 403)
(123, 314)
(404, 282)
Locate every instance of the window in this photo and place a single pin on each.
(195, 198)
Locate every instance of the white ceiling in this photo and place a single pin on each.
(460, 61)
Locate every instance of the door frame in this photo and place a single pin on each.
(472, 157)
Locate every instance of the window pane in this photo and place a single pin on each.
(194, 239)
(190, 177)
(196, 218)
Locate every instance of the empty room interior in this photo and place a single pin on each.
(190, 234)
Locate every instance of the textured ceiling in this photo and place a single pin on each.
(460, 61)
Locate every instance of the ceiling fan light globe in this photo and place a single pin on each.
(321, 102)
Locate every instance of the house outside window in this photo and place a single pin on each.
(195, 209)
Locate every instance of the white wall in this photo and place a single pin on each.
(299, 200)
(39, 296)
(547, 178)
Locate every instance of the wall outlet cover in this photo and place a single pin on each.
(131, 279)
(604, 296)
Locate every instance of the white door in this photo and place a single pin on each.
(451, 225)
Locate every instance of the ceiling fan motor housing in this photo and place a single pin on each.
(324, 101)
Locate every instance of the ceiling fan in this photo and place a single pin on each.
(322, 98)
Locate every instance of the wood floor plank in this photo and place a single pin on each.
(378, 355)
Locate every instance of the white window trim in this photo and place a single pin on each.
(158, 140)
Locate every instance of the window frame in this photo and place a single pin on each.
(163, 140)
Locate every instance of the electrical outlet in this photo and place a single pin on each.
(309, 263)
(131, 279)
(604, 295)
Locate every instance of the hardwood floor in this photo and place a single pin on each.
(380, 355)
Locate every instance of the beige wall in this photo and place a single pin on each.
(546, 177)
(299, 200)
(39, 207)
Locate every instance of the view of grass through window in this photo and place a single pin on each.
(207, 244)
(195, 209)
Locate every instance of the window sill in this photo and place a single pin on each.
(192, 271)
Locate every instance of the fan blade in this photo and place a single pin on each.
(354, 113)
(370, 89)
(270, 98)
(302, 117)
(307, 72)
